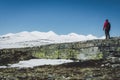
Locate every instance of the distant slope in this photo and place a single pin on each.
(36, 38)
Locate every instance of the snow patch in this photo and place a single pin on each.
(37, 62)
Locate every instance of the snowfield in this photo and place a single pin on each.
(36, 38)
(37, 62)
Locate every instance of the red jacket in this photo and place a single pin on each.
(106, 26)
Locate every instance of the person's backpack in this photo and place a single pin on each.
(108, 26)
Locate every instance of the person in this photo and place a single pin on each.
(106, 28)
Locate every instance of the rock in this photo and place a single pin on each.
(98, 60)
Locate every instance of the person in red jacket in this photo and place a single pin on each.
(106, 28)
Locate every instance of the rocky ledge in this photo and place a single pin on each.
(105, 65)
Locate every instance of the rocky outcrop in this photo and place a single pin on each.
(9, 56)
(97, 60)
(83, 50)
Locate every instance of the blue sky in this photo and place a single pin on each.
(61, 16)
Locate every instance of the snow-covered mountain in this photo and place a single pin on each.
(36, 38)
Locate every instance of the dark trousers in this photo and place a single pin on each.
(107, 34)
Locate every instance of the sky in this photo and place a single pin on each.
(61, 16)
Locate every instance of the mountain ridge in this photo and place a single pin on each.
(37, 38)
